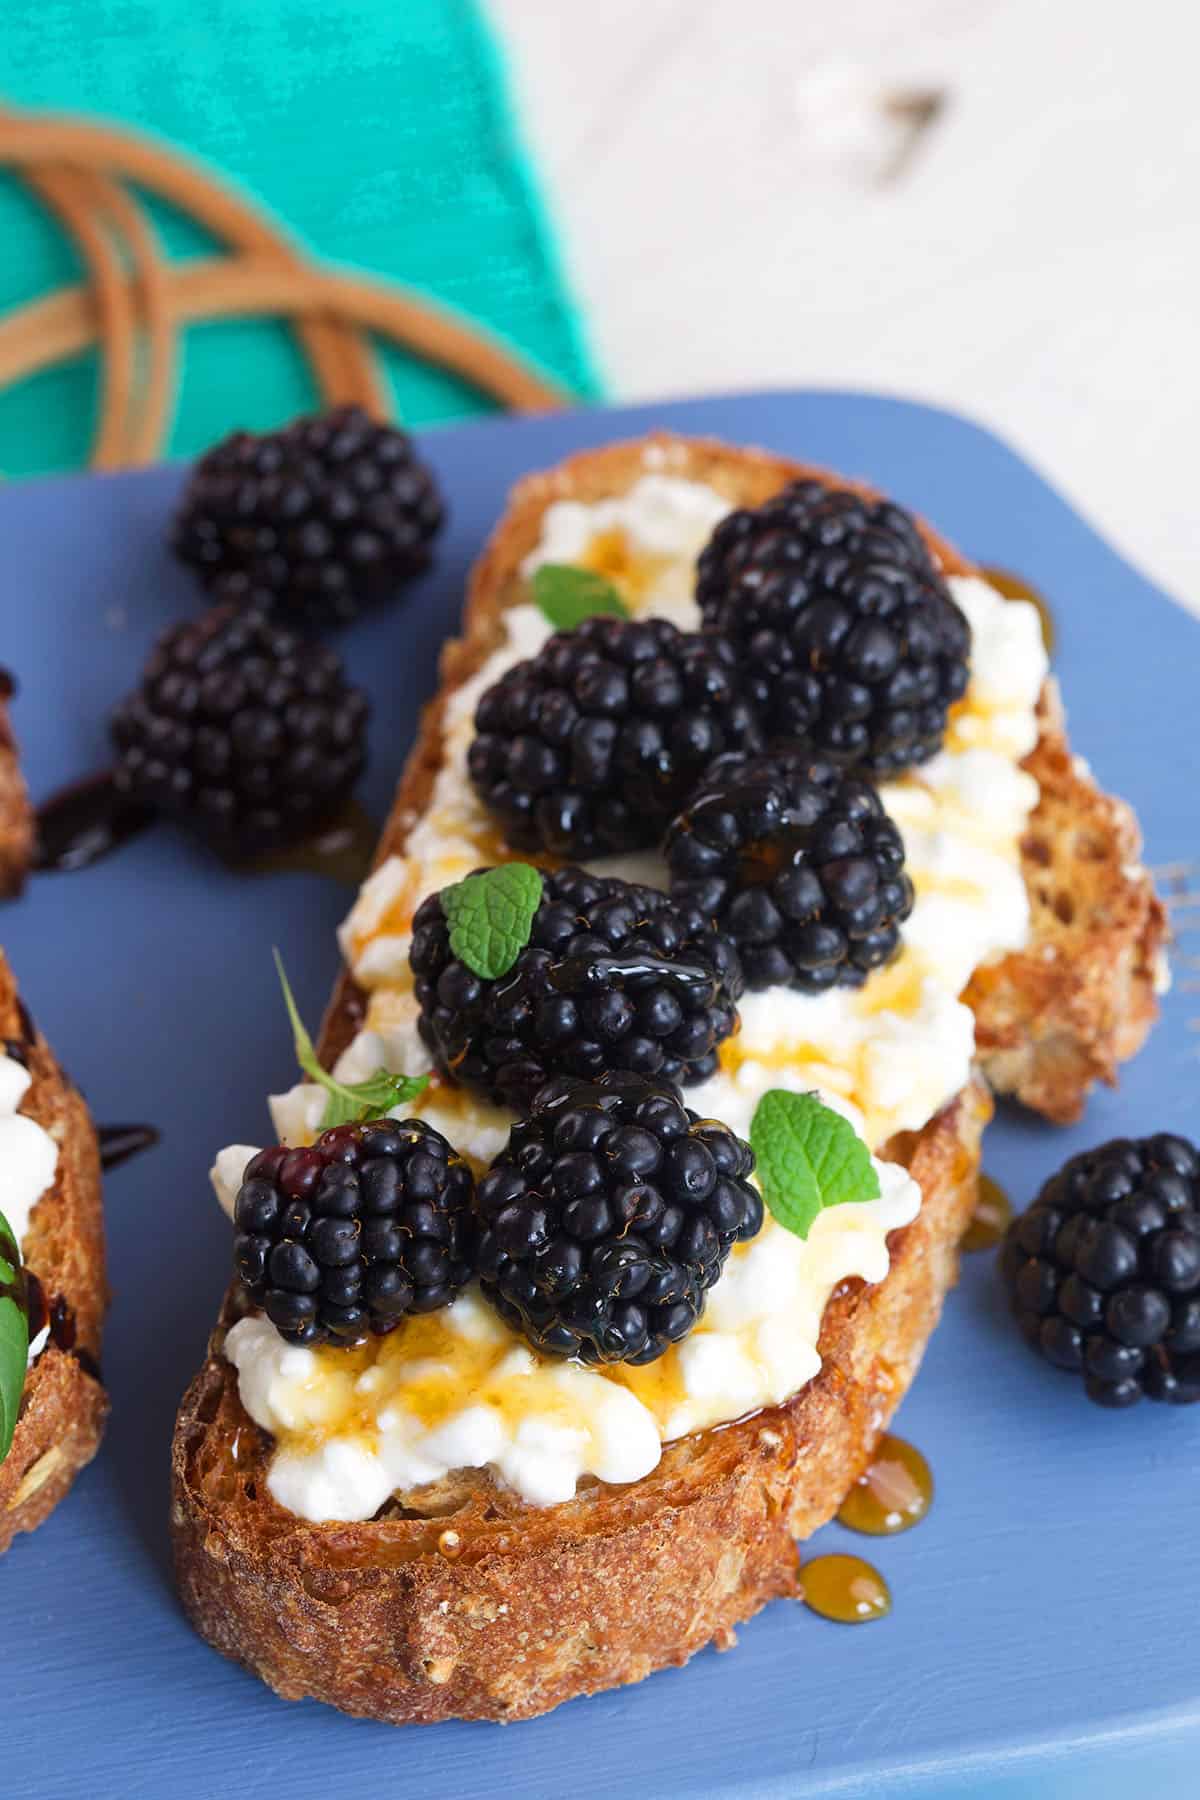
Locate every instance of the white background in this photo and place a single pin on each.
(736, 211)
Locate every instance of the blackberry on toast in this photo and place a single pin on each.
(615, 976)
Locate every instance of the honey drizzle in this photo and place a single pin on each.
(633, 572)
(343, 850)
(845, 1589)
(991, 1218)
(1014, 587)
(893, 1493)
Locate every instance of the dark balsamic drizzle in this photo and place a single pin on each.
(33, 1301)
(59, 1315)
(120, 1142)
(89, 819)
(85, 821)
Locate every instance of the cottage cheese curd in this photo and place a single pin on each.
(28, 1160)
(354, 1426)
(28, 1154)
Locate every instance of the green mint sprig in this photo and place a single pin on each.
(354, 1103)
(808, 1158)
(568, 595)
(14, 1335)
(490, 916)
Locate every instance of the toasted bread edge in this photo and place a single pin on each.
(64, 1406)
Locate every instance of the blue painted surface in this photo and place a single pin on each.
(1042, 1639)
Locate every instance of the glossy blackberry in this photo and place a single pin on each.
(614, 976)
(242, 730)
(593, 744)
(348, 1237)
(799, 863)
(1104, 1270)
(318, 520)
(609, 1216)
(848, 636)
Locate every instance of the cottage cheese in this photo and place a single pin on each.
(28, 1160)
(461, 1390)
(28, 1154)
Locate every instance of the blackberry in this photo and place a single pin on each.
(799, 863)
(1104, 1270)
(609, 1216)
(242, 730)
(348, 1237)
(614, 976)
(318, 520)
(849, 638)
(593, 744)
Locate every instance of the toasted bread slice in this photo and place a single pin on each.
(16, 813)
(64, 1405)
(461, 1601)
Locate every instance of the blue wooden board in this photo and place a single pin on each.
(1042, 1640)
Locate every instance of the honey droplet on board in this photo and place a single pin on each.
(991, 1218)
(845, 1589)
(1013, 587)
(343, 850)
(892, 1494)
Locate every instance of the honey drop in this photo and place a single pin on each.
(1013, 587)
(343, 850)
(991, 1218)
(845, 1589)
(892, 1494)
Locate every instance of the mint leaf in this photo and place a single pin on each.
(809, 1158)
(568, 595)
(14, 1335)
(369, 1099)
(349, 1103)
(490, 916)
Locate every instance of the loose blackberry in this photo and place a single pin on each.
(799, 863)
(1104, 1270)
(848, 636)
(348, 1237)
(318, 520)
(614, 976)
(593, 744)
(242, 730)
(609, 1216)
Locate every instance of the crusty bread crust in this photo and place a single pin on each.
(16, 813)
(64, 1405)
(463, 1602)
(1063, 1013)
(460, 1601)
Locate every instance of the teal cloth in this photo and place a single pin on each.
(378, 132)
